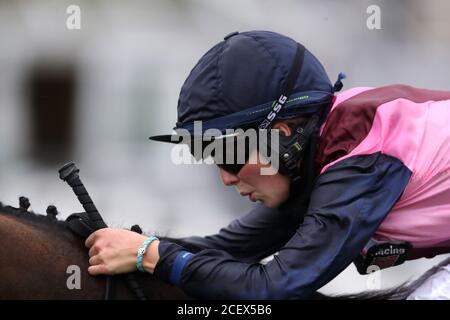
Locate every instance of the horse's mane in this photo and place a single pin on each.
(49, 220)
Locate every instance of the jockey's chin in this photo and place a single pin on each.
(270, 190)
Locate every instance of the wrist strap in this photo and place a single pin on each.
(141, 251)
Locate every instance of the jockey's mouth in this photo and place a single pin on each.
(251, 195)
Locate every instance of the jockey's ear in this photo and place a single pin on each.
(284, 128)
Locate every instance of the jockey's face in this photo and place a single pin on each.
(271, 190)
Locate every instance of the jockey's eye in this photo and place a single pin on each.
(229, 153)
(231, 168)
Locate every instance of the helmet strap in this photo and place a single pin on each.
(292, 148)
(301, 185)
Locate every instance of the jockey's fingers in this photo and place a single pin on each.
(95, 260)
(94, 250)
(98, 269)
(94, 237)
(90, 240)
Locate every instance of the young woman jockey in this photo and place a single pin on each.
(362, 176)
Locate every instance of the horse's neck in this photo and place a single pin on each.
(42, 261)
(39, 261)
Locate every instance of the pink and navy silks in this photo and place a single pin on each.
(413, 126)
(383, 172)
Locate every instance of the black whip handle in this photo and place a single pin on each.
(70, 173)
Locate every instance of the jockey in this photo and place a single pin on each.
(363, 176)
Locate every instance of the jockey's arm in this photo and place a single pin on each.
(250, 238)
(349, 201)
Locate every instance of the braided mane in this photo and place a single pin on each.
(22, 212)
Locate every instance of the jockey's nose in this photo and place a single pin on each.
(228, 179)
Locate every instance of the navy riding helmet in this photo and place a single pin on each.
(248, 80)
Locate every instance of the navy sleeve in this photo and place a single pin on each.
(252, 237)
(348, 203)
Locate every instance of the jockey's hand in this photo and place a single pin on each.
(114, 251)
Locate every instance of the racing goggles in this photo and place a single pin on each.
(230, 152)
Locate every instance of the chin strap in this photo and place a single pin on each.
(296, 154)
(292, 148)
(301, 188)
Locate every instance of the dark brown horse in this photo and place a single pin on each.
(36, 255)
(37, 252)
